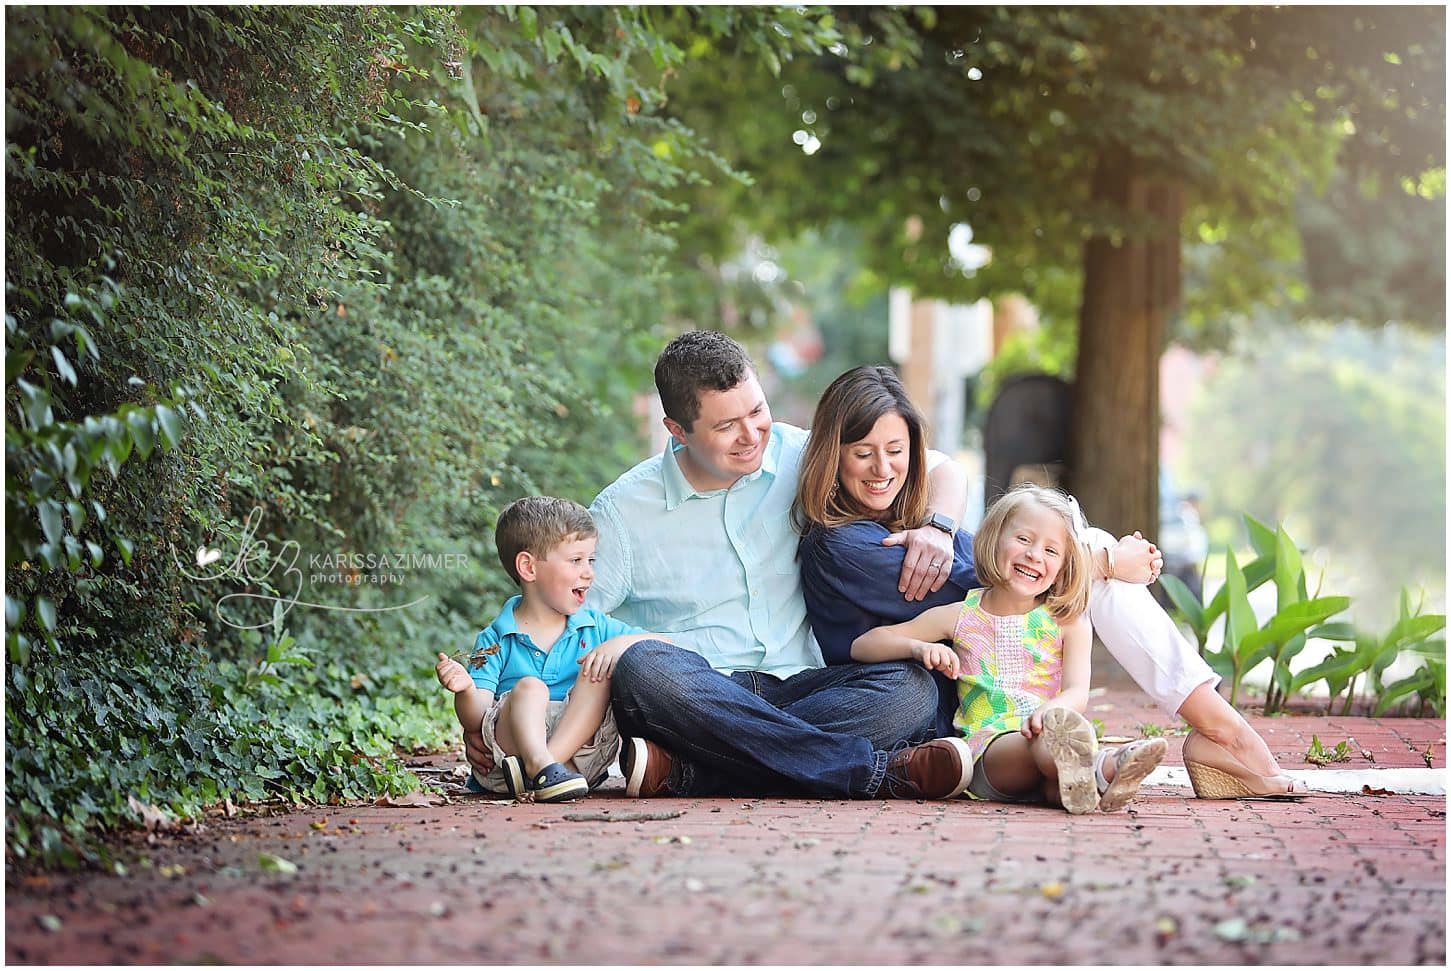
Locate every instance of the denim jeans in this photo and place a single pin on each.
(824, 732)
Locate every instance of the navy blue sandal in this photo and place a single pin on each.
(555, 783)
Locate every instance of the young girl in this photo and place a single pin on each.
(1020, 652)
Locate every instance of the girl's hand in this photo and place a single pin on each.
(1136, 560)
(936, 657)
(452, 674)
(1033, 726)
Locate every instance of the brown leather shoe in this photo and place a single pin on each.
(646, 768)
(939, 769)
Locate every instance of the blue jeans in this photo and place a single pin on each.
(824, 732)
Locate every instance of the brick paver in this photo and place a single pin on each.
(1354, 879)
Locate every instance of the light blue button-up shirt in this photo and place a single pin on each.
(716, 571)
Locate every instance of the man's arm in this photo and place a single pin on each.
(612, 560)
(928, 545)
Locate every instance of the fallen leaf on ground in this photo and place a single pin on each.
(49, 922)
(412, 800)
(1052, 890)
(152, 817)
(1369, 790)
(275, 864)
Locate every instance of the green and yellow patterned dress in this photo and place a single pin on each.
(1010, 666)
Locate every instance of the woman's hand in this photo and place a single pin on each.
(1136, 560)
(936, 657)
(928, 562)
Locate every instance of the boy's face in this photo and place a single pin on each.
(563, 577)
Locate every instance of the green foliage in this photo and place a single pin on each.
(1355, 458)
(1298, 617)
(1413, 633)
(398, 266)
(1317, 754)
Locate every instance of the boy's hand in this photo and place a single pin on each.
(936, 657)
(477, 751)
(452, 675)
(599, 663)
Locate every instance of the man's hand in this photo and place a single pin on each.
(599, 663)
(476, 750)
(1136, 560)
(928, 562)
(936, 657)
(453, 675)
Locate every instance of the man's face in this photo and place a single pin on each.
(728, 437)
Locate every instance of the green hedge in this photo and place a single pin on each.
(372, 272)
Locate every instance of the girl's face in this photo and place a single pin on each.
(1031, 549)
(874, 470)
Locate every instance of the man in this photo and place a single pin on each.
(696, 543)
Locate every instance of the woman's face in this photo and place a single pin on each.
(872, 471)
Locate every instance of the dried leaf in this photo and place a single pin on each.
(413, 800)
(1052, 890)
(1369, 790)
(152, 817)
(49, 922)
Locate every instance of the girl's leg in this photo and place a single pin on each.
(582, 716)
(1010, 765)
(520, 729)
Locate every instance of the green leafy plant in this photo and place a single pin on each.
(1364, 664)
(1318, 755)
(1246, 643)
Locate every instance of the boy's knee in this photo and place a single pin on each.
(529, 687)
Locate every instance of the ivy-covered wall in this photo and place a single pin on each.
(371, 272)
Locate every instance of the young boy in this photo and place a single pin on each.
(542, 691)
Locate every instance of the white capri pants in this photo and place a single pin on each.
(1142, 638)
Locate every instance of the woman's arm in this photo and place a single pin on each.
(947, 494)
(916, 639)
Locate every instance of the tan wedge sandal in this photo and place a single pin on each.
(1215, 774)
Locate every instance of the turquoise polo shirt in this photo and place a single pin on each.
(557, 665)
(715, 571)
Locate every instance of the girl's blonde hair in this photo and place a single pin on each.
(848, 410)
(1068, 595)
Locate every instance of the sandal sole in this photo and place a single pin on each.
(1072, 745)
(1131, 774)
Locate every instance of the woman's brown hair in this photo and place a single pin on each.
(847, 412)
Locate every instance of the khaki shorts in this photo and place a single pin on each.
(592, 761)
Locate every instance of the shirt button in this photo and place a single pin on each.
(538, 654)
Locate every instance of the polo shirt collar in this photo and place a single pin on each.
(678, 487)
(505, 625)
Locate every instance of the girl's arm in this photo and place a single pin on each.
(1077, 648)
(916, 639)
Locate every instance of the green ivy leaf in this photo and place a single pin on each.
(169, 425)
(45, 613)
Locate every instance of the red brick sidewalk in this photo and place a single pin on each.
(1353, 879)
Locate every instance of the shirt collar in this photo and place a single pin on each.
(678, 487)
(505, 625)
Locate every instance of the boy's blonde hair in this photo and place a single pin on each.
(537, 524)
(1068, 596)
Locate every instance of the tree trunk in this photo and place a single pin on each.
(1130, 286)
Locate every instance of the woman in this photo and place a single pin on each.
(863, 480)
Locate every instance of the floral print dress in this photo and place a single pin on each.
(1009, 667)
